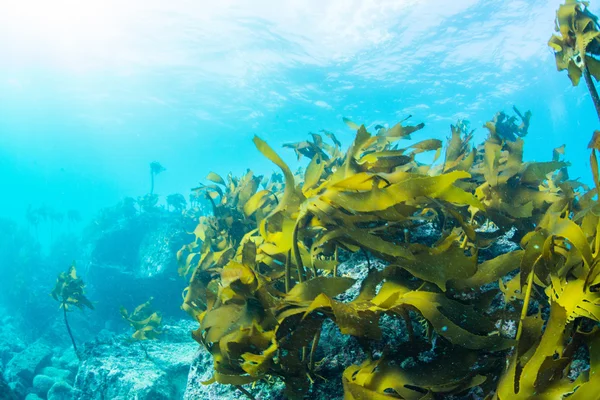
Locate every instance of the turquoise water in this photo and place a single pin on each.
(92, 92)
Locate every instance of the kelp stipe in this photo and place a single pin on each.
(69, 291)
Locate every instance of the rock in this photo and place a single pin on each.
(68, 360)
(42, 384)
(11, 342)
(135, 258)
(122, 369)
(21, 369)
(61, 391)
(57, 374)
(33, 396)
(6, 392)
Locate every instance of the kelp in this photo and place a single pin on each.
(144, 320)
(577, 40)
(264, 265)
(69, 291)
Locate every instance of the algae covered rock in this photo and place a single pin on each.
(132, 257)
(21, 369)
(42, 384)
(61, 391)
(5, 390)
(120, 368)
(57, 374)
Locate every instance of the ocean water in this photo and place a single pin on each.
(92, 92)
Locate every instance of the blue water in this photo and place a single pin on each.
(92, 92)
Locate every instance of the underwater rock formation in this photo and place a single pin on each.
(22, 368)
(132, 257)
(5, 390)
(116, 367)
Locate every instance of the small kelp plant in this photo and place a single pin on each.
(69, 292)
(576, 45)
(144, 320)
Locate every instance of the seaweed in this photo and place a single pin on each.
(262, 292)
(576, 43)
(69, 291)
(177, 202)
(265, 265)
(144, 320)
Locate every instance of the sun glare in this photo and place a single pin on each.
(61, 33)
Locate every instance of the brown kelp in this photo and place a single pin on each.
(264, 266)
(144, 320)
(576, 44)
(69, 291)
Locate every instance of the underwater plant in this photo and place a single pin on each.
(177, 202)
(69, 291)
(145, 321)
(155, 169)
(263, 281)
(576, 44)
(147, 202)
(265, 265)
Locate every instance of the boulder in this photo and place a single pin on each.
(60, 391)
(21, 369)
(68, 361)
(58, 374)
(135, 259)
(6, 392)
(42, 384)
(120, 369)
(11, 342)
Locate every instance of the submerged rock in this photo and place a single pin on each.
(61, 391)
(12, 342)
(119, 368)
(133, 258)
(58, 374)
(42, 384)
(21, 369)
(6, 392)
